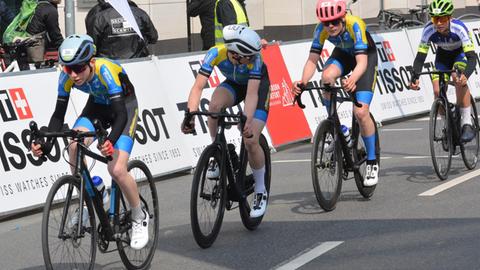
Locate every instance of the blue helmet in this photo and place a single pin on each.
(76, 49)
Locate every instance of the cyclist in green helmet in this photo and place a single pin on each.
(455, 48)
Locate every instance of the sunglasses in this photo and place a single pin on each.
(75, 68)
(237, 57)
(334, 22)
(440, 19)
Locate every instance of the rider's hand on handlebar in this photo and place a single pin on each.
(188, 128)
(296, 87)
(41, 148)
(106, 148)
(349, 84)
(36, 150)
(414, 85)
(248, 129)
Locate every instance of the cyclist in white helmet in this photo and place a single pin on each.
(113, 102)
(240, 62)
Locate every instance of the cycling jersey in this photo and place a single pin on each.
(458, 37)
(217, 56)
(354, 40)
(105, 81)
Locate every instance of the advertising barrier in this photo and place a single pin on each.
(162, 87)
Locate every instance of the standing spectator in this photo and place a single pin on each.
(114, 37)
(6, 17)
(228, 12)
(204, 9)
(45, 29)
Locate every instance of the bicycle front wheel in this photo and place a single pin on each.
(249, 187)
(68, 248)
(360, 157)
(470, 149)
(207, 200)
(132, 258)
(326, 166)
(441, 146)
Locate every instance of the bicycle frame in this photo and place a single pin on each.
(108, 221)
(333, 118)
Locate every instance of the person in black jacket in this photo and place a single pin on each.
(204, 9)
(6, 17)
(45, 29)
(226, 12)
(114, 38)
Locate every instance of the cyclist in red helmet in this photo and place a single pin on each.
(354, 54)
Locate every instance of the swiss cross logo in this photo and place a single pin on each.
(14, 105)
(385, 51)
(324, 55)
(213, 80)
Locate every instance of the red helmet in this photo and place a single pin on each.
(329, 10)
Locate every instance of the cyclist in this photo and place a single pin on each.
(111, 100)
(455, 48)
(240, 62)
(354, 52)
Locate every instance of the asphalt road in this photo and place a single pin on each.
(396, 229)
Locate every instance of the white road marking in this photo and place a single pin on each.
(291, 161)
(308, 160)
(401, 129)
(416, 157)
(423, 119)
(434, 191)
(309, 255)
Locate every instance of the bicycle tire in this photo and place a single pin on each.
(444, 136)
(407, 24)
(244, 206)
(470, 150)
(468, 16)
(141, 259)
(359, 152)
(327, 199)
(53, 212)
(211, 194)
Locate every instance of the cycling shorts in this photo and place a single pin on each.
(239, 93)
(104, 114)
(346, 62)
(446, 60)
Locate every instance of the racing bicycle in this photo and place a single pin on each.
(69, 232)
(330, 167)
(234, 184)
(445, 130)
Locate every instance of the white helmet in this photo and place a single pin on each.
(242, 40)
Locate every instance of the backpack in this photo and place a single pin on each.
(18, 27)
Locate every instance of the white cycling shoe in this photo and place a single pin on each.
(371, 174)
(259, 205)
(140, 232)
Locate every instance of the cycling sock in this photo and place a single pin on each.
(137, 213)
(327, 103)
(465, 116)
(259, 176)
(370, 145)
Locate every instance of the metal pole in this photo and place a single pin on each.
(189, 31)
(382, 17)
(69, 17)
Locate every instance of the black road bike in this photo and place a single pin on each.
(330, 167)
(445, 130)
(234, 184)
(69, 232)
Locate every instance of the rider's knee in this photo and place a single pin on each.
(362, 114)
(117, 172)
(251, 143)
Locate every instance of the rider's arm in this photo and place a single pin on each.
(423, 47)
(418, 62)
(360, 68)
(468, 49)
(251, 98)
(310, 67)
(196, 92)
(58, 117)
(471, 63)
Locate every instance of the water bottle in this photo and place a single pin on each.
(233, 156)
(98, 183)
(74, 219)
(346, 134)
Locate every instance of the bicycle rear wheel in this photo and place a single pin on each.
(68, 249)
(360, 157)
(207, 198)
(326, 166)
(132, 258)
(441, 146)
(249, 187)
(470, 149)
